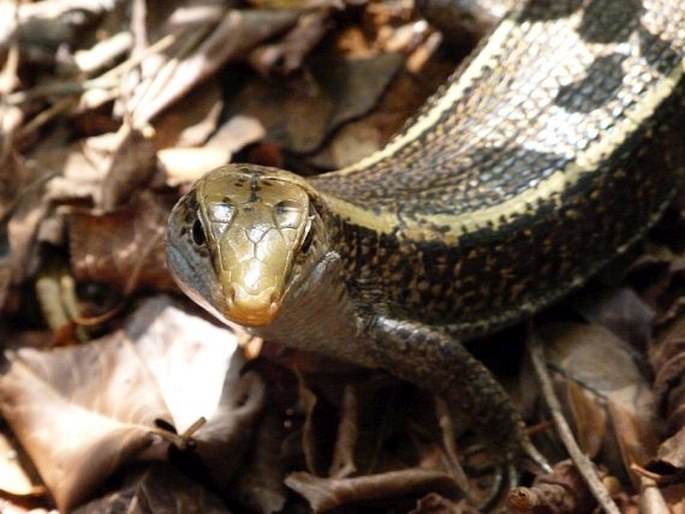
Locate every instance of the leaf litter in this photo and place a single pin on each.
(124, 398)
(105, 400)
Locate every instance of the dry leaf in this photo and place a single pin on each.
(78, 415)
(82, 412)
(435, 504)
(355, 84)
(14, 477)
(192, 120)
(621, 310)
(5, 264)
(133, 164)
(82, 168)
(261, 486)
(232, 37)
(324, 494)
(602, 370)
(561, 492)
(667, 355)
(132, 254)
(22, 233)
(288, 54)
(189, 164)
(302, 117)
(158, 489)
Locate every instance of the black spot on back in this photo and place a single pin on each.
(610, 21)
(602, 82)
(658, 53)
(542, 10)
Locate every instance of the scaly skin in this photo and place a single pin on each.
(538, 162)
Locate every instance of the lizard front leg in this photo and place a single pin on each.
(433, 359)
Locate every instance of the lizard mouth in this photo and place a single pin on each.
(251, 309)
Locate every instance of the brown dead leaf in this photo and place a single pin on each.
(675, 498)
(288, 54)
(561, 492)
(133, 163)
(359, 138)
(324, 494)
(5, 262)
(22, 232)
(189, 164)
(199, 53)
(302, 117)
(667, 356)
(464, 23)
(622, 311)
(15, 479)
(82, 168)
(356, 84)
(157, 488)
(354, 140)
(435, 504)
(132, 254)
(604, 376)
(10, 184)
(78, 415)
(82, 412)
(260, 485)
(192, 120)
(672, 451)
(293, 118)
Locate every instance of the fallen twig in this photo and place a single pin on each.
(585, 466)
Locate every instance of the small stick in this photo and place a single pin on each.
(582, 462)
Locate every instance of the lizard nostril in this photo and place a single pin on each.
(230, 296)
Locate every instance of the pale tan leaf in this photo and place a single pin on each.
(186, 165)
(189, 164)
(15, 479)
(602, 364)
(198, 370)
(76, 431)
(82, 412)
(133, 163)
(158, 489)
(325, 494)
(192, 120)
(83, 167)
(187, 356)
(233, 36)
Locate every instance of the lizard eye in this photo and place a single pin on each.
(288, 214)
(198, 233)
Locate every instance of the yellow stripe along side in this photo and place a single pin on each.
(584, 162)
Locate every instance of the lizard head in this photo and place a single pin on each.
(235, 239)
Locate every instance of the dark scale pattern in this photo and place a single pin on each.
(513, 127)
(493, 277)
(603, 81)
(610, 21)
(657, 52)
(569, 83)
(542, 10)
